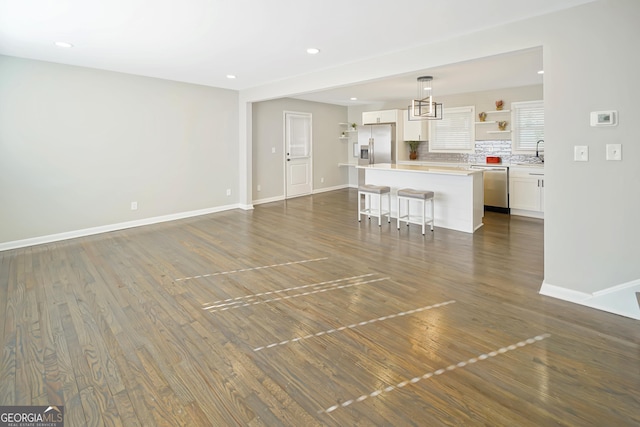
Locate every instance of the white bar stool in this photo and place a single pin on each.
(409, 194)
(369, 190)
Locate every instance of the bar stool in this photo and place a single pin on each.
(409, 194)
(369, 190)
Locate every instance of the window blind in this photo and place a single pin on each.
(527, 125)
(455, 132)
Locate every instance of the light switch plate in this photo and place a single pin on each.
(581, 153)
(614, 151)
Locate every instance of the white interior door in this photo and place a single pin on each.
(298, 154)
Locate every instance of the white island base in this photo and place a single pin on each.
(459, 193)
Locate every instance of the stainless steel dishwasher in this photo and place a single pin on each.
(496, 187)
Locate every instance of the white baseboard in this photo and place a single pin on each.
(620, 299)
(111, 227)
(324, 190)
(268, 200)
(530, 214)
(316, 191)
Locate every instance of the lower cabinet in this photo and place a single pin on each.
(526, 192)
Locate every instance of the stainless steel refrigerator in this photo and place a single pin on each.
(377, 143)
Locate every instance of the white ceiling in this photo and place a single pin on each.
(496, 72)
(259, 41)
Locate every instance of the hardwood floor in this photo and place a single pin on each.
(295, 314)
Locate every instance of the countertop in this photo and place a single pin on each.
(468, 165)
(421, 168)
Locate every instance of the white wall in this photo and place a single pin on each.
(328, 150)
(78, 145)
(590, 61)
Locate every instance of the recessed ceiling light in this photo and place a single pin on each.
(313, 51)
(353, 98)
(63, 44)
(231, 76)
(541, 72)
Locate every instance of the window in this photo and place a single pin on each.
(527, 120)
(455, 133)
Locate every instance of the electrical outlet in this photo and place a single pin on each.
(259, 187)
(321, 180)
(228, 191)
(581, 153)
(134, 206)
(614, 151)
(273, 150)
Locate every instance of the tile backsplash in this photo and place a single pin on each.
(500, 148)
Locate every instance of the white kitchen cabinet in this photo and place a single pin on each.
(382, 116)
(526, 191)
(415, 130)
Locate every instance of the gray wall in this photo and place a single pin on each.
(78, 145)
(592, 208)
(328, 150)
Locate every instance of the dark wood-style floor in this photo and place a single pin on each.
(295, 314)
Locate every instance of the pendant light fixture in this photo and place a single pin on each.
(424, 107)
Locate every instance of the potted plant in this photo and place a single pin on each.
(354, 126)
(413, 149)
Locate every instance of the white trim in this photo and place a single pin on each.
(316, 191)
(268, 200)
(324, 190)
(563, 293)
(619, 299)
(111, 227)
(524, 212)
(617, 288)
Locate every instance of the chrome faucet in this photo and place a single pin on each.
(538, 152)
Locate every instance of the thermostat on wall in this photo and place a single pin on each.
(604, 118)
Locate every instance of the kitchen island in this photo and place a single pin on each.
(459, 197)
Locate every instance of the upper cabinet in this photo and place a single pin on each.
(415, 130)
(377, 117)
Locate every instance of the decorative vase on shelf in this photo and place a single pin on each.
(499, 104)
(502, 125)
(482, 116)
